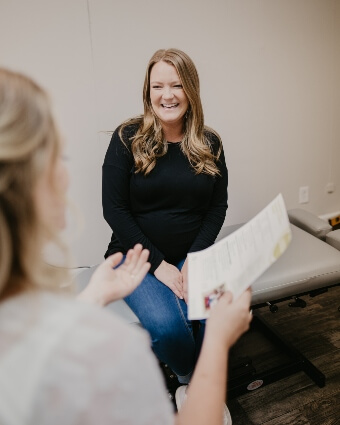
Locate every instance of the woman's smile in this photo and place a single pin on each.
(168, 98)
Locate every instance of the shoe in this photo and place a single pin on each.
(226, 418)
(181, 395)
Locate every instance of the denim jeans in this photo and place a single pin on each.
(165, 317)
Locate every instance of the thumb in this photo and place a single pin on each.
(114, 260)
(227, 297)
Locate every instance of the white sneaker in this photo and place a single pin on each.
(227, 418)
(181, 395)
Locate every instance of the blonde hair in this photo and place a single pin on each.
(148, 143)
(29, 142)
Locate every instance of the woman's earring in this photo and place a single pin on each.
(186, 114)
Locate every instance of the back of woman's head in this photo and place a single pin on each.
(28, 141)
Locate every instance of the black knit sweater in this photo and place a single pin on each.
(171, 211)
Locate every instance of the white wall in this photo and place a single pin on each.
(269, 80)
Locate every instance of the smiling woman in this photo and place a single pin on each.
(168, 99)
(165, 186)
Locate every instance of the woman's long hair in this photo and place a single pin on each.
(148, 143)
(29, 142)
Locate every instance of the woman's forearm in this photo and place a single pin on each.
(207, 391)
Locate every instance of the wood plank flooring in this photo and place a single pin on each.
(295, 400)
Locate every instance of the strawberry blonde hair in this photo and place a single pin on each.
(148, 143)
(29, 142)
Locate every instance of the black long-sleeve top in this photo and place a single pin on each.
(172, 211)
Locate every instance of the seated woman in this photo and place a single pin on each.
(64, 361)
(165, 186)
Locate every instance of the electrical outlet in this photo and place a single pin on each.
(304, 195)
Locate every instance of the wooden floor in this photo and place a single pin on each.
(295, 400)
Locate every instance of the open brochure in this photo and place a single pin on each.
(236, 261)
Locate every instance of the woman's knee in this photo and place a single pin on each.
(171, 333)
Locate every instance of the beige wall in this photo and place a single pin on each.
(269, 76)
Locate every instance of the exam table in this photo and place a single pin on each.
(310, 265)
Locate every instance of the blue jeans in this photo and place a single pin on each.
(165, 317)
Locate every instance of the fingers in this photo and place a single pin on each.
(175, 284)
(245, 299)
(177, 289)
(185, 289)
(114, 259)
(247, 295)
(142, 259)
(243, 305)
(143, 271)
(139, 274)
(136, 263)
(170, 276)
(227, 297)
(133, 255)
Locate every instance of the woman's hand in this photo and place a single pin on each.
(230, 319)
(184, 272)
(171, 277)
(108, 284)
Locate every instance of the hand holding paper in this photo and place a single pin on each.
(236, 261)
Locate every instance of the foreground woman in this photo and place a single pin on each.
(67, 362)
